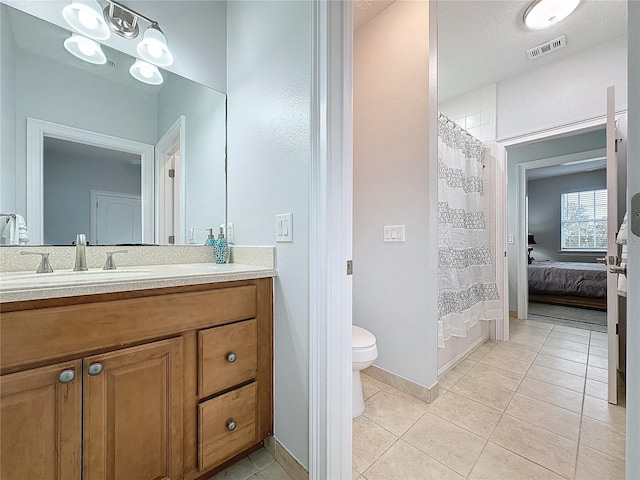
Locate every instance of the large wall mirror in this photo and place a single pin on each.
(88, 148)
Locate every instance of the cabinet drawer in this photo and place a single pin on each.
(218, 438)
(228, 356)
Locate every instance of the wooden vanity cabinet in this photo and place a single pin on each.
(167, 396)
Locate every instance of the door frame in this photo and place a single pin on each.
(94, 212)
(37, 130)
(502, 263)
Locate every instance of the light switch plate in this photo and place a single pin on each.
(511, 238)
(284, 227)
(393, 234)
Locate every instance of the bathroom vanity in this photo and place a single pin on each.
(163, 382)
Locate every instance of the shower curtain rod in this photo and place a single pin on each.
(457, 126)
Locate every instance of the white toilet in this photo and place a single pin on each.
(365, 352)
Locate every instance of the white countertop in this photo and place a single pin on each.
(21, 286)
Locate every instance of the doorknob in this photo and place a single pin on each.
(601, 260)
(622, 270)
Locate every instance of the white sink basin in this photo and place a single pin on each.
(60, 277)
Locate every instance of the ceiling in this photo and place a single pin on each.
(483, 42)
(64, 148)
(567, 169)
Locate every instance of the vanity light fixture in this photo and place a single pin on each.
(85, 49)
(541, 14)
(146, 73)
(85, 16)
(88, 18)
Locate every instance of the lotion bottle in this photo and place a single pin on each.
(221, 248)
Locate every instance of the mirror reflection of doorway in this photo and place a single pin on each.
(71, 172)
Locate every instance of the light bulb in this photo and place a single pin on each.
(86, 48)
(146, 71)
(154, 49)
(87, 19)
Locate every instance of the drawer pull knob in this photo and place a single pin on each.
(95, 369)
(231, 357)
(231, 425)
(66, 376)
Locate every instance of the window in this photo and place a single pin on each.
(584, 220)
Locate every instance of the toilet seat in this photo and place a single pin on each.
(364, 348)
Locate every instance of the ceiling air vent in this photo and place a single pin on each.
(547, 47)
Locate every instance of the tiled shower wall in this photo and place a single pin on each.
(476, 113)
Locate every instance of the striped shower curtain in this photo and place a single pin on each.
(467, 290)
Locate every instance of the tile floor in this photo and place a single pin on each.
(259, 465)
(532, 408)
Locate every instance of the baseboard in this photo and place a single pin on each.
(513, 314)
(405, 385)
(287, 461)
(461, 356)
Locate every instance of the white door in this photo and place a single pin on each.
(612, 248)
(118, 219)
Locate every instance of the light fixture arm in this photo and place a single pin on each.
(135, 14)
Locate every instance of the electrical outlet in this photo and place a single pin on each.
(228, 232)
(192, 235)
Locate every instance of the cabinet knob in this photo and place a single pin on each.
(95, 369)
(231, 425)
(231, 357)
(66, 376)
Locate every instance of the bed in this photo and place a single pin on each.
(569, 283)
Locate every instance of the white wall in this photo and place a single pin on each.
(536, 151)
(391, 281)
(68, 181)
(476, 112)
(7, 119)
(563, 92)
(204, 151)
(545, 213)
(268, 78)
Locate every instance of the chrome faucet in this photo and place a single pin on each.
(81, 253)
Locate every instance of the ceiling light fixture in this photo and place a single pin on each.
(85, 49)
(146, 73)
(88, 18)
(541, 14)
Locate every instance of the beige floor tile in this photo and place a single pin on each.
(394, 411)
(354, 473)
(509, 364)
(373, 381)
(552, 394)
(272, 472)
(468, 414)
(454, 446)
(569, 345)
(596, 389)
(238, 471)
(564, 353)
(482, 350)
(555, 419)
(404, 461)
(261, 458)
(596, 361)
(527, 342)
(567, 366)
(569, 337)
(497, 463)
(369, 388)
(599, 335)
(573, 330)
(556, 377)
(545, 448)
(483, 392)
(512, 351)
(464, 366)
(535, 331)
(449, 380)
(598, 351)
(599, 342)
(599, 374)
(496, 376)
(602, 437)
(602, 410)
(595, 465)
(369, 442)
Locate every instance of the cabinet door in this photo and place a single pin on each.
(133, 413)
(40, 423)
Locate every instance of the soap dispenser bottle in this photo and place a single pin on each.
(211, 239)
(221, 248)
